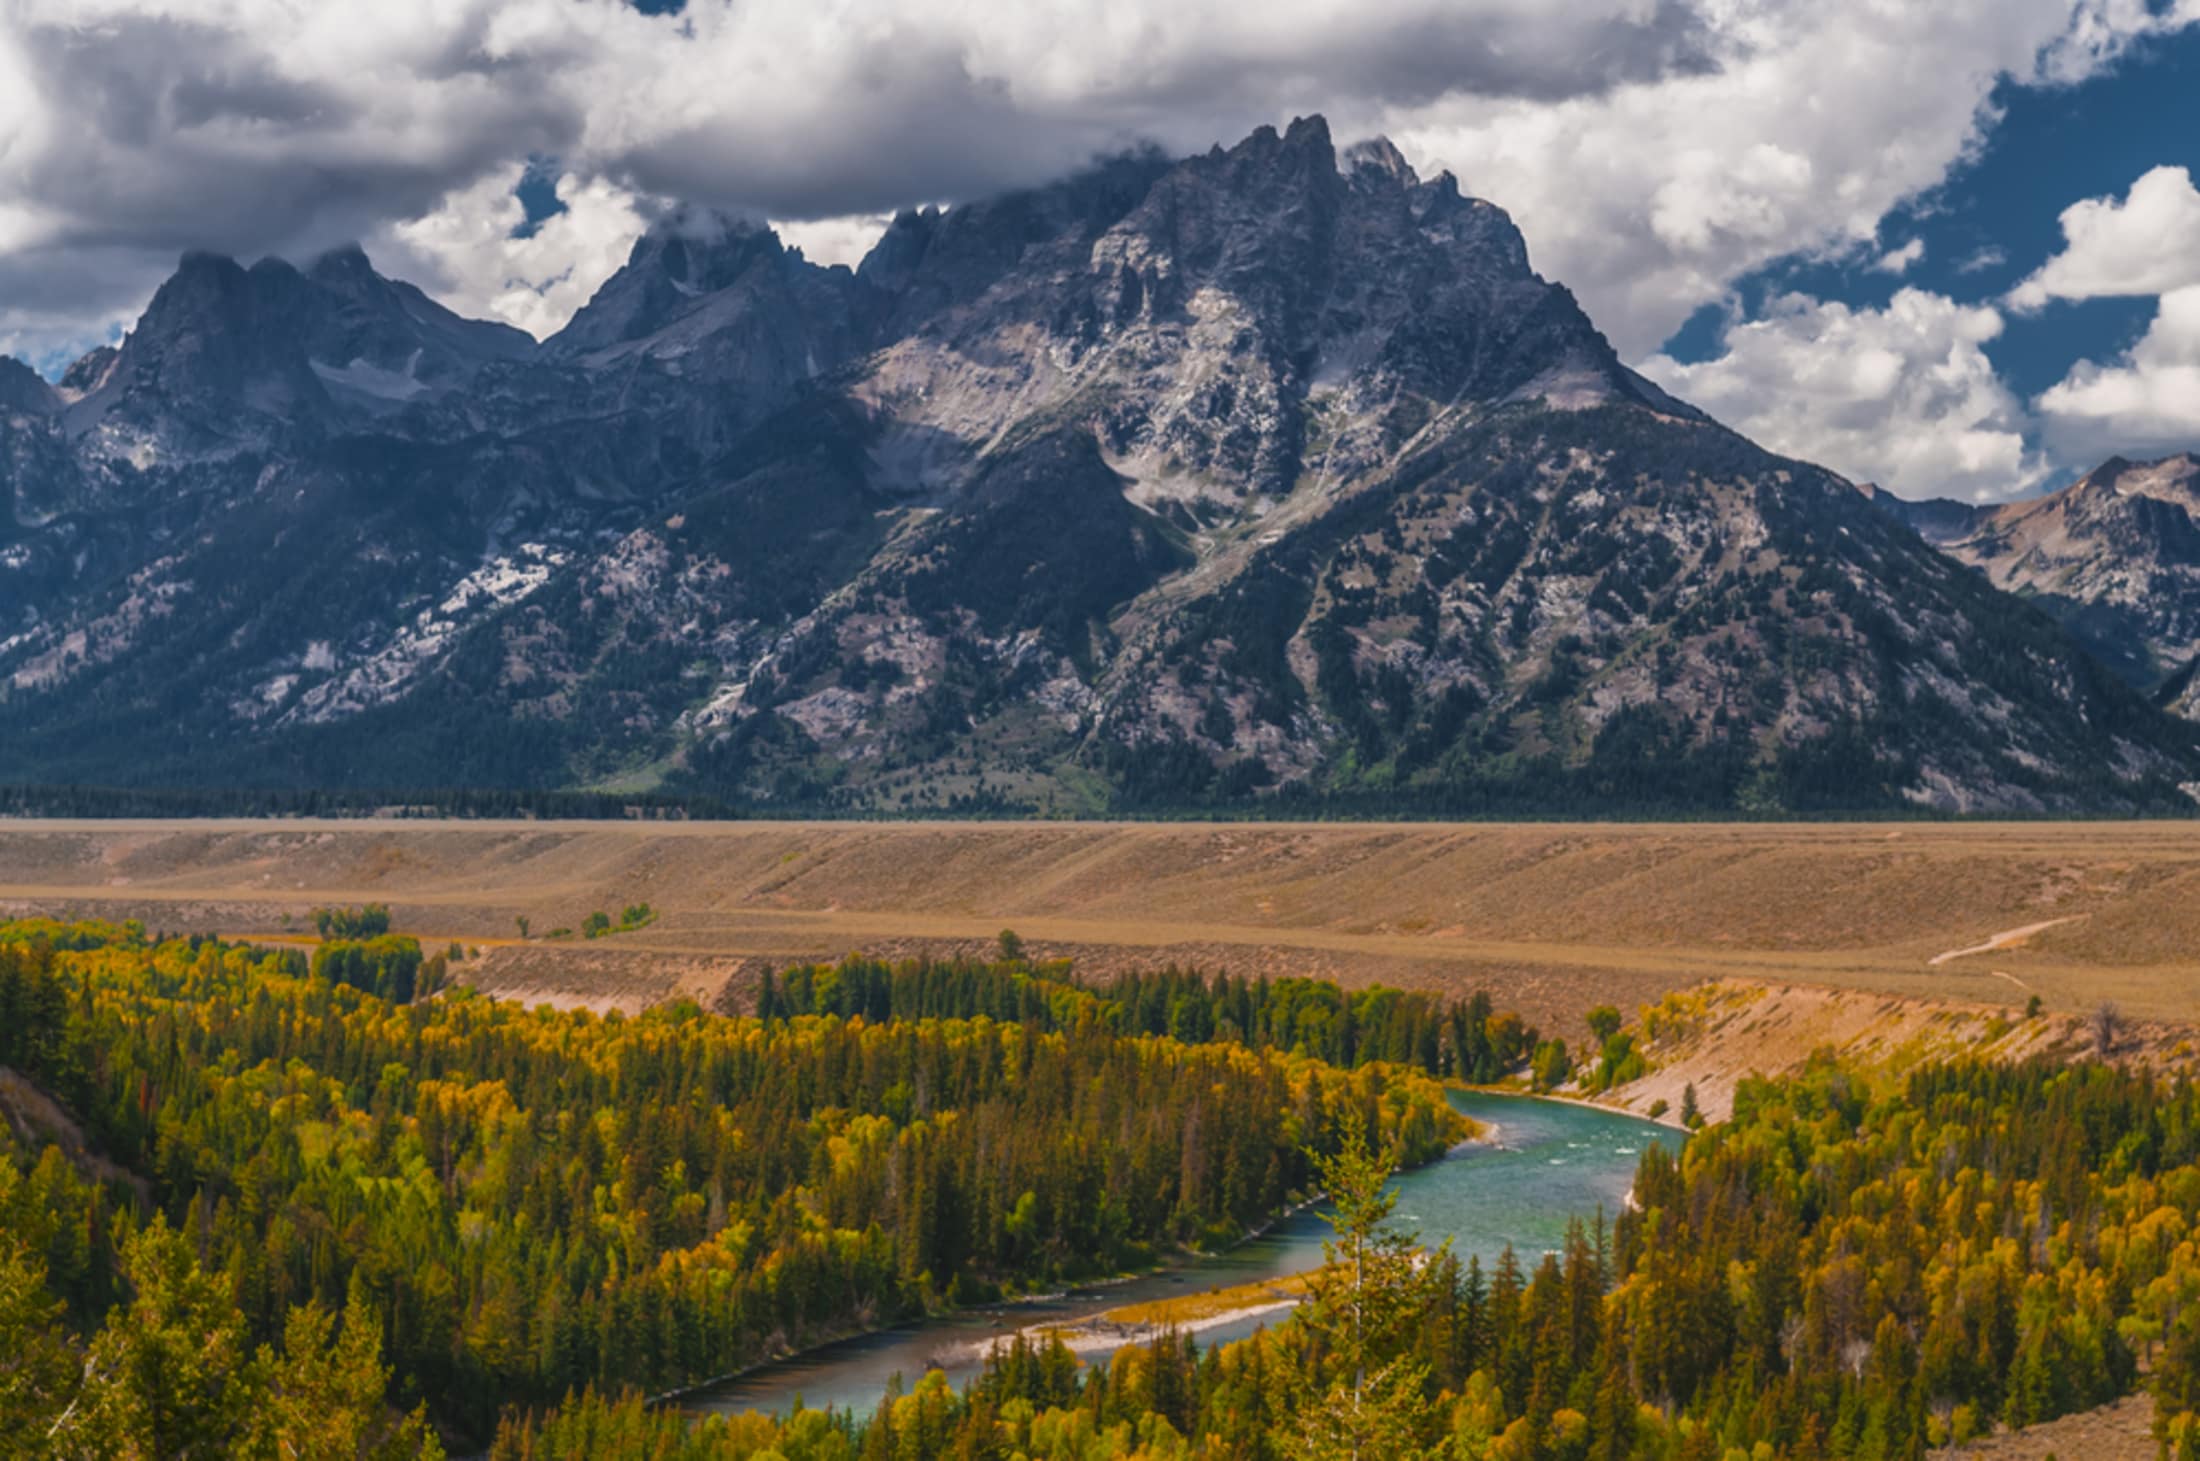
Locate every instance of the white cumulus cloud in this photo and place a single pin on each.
(470, 248)
(2146, 402)
(2147, 242)
(834, 240)
(1816, 121)
(1902, 396)
(1899, 261)
(136, 129)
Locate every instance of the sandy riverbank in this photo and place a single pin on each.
(1104, 1334)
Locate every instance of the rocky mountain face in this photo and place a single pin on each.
(1270, 475)
(2115, 556)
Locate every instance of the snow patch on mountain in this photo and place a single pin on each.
(382, 675)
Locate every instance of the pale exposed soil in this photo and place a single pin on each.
(1105, 1333)
(2118, 1432)
(2014, 938)
(1552, 917)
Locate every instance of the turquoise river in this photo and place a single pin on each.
(1545, 1163)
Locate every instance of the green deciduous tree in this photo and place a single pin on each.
(1603, 1022)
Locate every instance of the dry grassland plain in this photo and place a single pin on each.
(1552, 918)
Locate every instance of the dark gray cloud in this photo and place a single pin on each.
(256, 126)
(911, 111)
(170, 134)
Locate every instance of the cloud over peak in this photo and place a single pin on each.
(138, 129)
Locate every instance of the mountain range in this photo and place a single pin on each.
(1269, 477)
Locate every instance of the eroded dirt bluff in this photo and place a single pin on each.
(1714, 1036)
(1554, 917)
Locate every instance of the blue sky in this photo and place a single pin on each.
(1995, 220)
(1992, 223)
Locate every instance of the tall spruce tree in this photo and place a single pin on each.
(1361, 1392)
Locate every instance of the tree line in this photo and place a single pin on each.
(1465, 1039)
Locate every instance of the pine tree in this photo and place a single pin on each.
(36, 1367)
(326, 1398)
(1364, 1304)
(170, 1374)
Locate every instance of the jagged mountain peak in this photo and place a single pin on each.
(88, 371)
(1290, 292)
(346, 263)
(932, 261)
(194, 265)
(214, 364)
(380, 344)
(228, 356)
(2118, 486)
(1309, 133)
(1380, 156)
(23, 389)
(206, 288)
(681, 260)
(704, 248)
(2115, 555)
(2172, 479)
(1302, 155)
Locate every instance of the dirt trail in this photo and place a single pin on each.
(2010, 939)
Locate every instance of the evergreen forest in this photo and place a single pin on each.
(258, 1204)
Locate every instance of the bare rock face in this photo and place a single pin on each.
(2115, 556)
(1275, 472)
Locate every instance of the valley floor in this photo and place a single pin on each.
(1556, 917)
